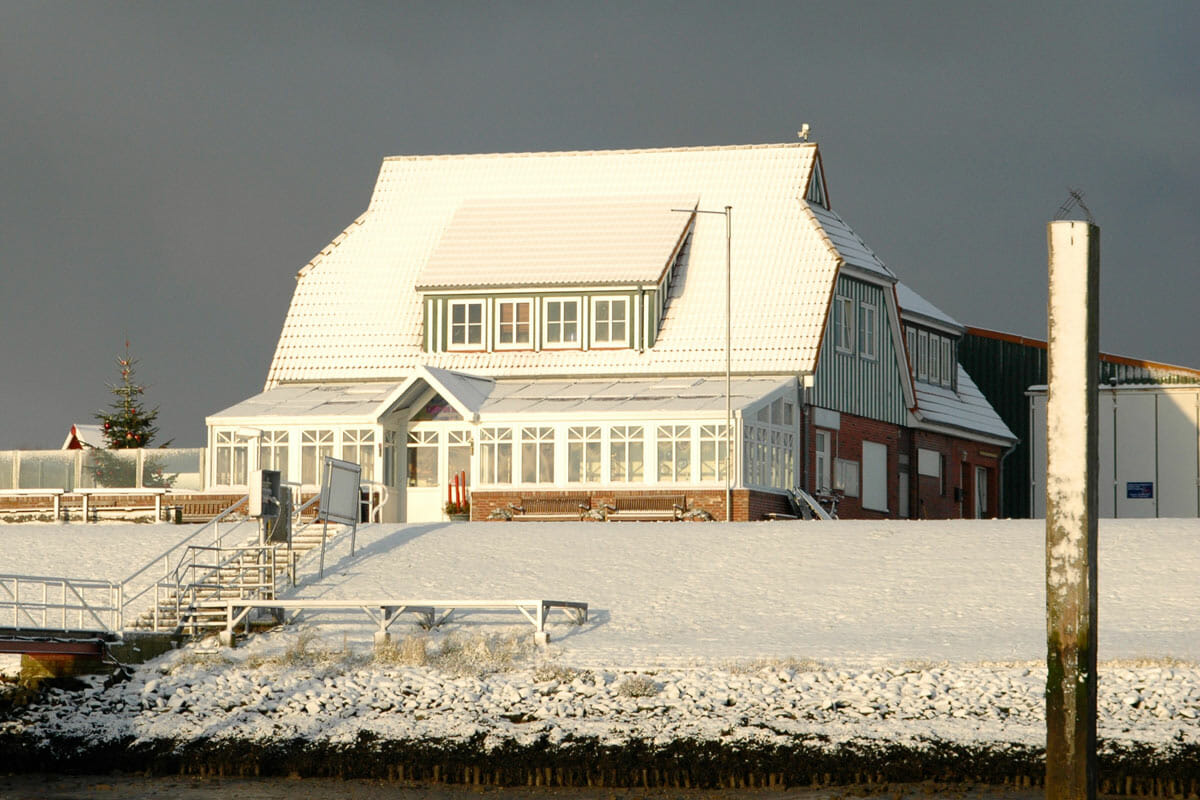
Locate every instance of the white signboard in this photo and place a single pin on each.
(339, 492)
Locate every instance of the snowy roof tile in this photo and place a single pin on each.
(557, 242)
(628, 397)
(342, 401)
(967, 409)
(913, 304)
(849, 245)
(355, 314)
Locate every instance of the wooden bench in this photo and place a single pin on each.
(554, 507)
(54, 495)
(385, 612)
(649, 507)
(91, 498)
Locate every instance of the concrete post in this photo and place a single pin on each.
(1071, 510)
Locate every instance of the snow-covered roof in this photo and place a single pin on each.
(356, 314)
(557, 242)
(347, 402)
(914, 305)
(660, 397)
(967, 409)
(849, 245)
(84, 436)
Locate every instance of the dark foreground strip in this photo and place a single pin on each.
(1128, 770)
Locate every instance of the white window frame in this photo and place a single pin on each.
(935, 359)
(922, 355)
(845, 479)
(843, 324)
(467, 325)
(547, 344)
(361, 443)
(582, 440)
(238, 454)
(622, 441)
(273, 452)
(321, 442)
(675, 436)
(823, 472)
(910, 338)
(537, 441)
(491, 443)
(868, 333)
(713, 446)
(948, 369)
(608, 341)
(423, 440)
(498, 336)
(458, 440)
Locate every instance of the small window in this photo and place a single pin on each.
(561, 324)
(583, 454)
(537, 455)
(935, 359)
(625, 452)
(231, 458)
(846, 478)
(868, 330)
(843, 321)
(610, 321)
(674, 453)
(713, 447)
(273, 452)
(922, 356)
(514, 324)
(947, 363)
(466, 325)
(458, 456)
(495, 455)
(358, 446)
(911, 338)
(314, 446)
(822, 466)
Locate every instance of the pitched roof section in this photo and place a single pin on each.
(913, 305)
(344, 402)
(510, 242)
(637, 397)
(967, 410)
(355, 314)
(850, 247)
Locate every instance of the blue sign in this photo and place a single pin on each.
(1139, 490)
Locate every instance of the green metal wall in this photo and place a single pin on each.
(855, 385)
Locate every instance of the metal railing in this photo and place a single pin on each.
(207, 577)
(51, 603)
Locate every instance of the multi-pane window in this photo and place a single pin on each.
(273, 452)
(674, 452)
(458, 456)
(843, 321)
(947, 363)
(868, 330)
(230, 459)
(713, 447)
(389, 458)
(422, 458)
(583, 454)
(911, 336)
(610, 321)
(626, 450)
(514, 323)
(922, 356)
(314, 446)
(466, 324)
(935, 360)
(562, 323)
(537, 455)
(358, 446)
(496, 455)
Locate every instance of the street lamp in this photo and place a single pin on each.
(728, 214)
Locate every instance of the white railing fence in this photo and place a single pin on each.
(41, 602)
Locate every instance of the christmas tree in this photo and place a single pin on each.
(128, 425)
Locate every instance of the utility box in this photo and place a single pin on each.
(265, 493)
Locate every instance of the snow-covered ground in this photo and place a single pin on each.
(763, 631)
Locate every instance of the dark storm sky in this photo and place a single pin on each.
(167, 168)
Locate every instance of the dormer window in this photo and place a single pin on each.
(514, 324)
(561, 328)
(609, 322)
(466, 325)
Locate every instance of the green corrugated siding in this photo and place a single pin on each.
(1003, 370)
(855, 385)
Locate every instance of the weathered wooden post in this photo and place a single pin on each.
(1071, 507)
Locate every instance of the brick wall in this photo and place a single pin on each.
(952, 496)
(847, 443)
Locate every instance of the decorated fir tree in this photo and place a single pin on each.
(128, 425)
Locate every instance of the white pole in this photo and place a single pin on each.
(728, 366)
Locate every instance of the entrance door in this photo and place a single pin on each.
(981, 493)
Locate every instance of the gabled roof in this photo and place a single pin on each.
(81, 436)
(849, 245)
(356, 314)
(507, 242)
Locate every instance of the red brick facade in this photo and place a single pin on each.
(952, 496)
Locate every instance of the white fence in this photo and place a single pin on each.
(166, 468)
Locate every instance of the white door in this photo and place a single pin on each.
(981, 492)
(874, 476)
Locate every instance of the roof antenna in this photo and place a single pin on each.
(1074, 198)
(803, 132)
